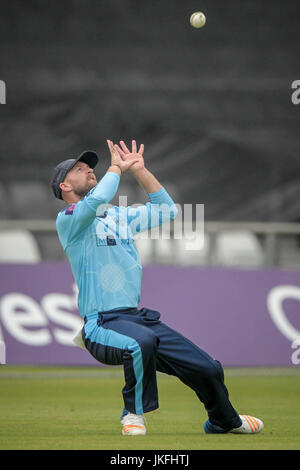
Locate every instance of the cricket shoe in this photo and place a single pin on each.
(250, 425)
(133, 425)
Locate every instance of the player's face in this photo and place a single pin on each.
(81, 178)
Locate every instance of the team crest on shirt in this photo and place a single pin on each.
(70, 209)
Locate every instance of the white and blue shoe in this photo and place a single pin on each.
(250, 425)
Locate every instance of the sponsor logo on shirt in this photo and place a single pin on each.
(70, 209)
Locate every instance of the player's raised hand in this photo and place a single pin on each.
(116, 159)
(130, 155)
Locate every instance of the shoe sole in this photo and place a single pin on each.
(132, 430)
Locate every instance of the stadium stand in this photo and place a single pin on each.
(214, 113)
(18, 246)
(5, 209)
(239, 248)
(199, 257)
(31, 200)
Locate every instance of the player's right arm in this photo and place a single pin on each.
(77, 217)
(73, 220)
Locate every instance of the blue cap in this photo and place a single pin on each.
(60, 171)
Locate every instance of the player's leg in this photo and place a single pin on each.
(113, 340)
(176, 355)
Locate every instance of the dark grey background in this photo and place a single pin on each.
(213, 106)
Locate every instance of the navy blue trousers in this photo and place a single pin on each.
(137, 339)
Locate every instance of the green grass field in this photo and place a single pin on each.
(79, 409)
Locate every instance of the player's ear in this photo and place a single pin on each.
(64, 186)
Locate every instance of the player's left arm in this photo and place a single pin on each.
(161, 207)
(143, 176)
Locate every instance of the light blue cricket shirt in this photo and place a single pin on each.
(99, 243)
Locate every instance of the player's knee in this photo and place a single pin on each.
(148, 343)
(220, 368)
(213, 371)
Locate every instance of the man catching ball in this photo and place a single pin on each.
(99, 243)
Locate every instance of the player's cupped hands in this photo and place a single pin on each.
(133, 154)
(116, 159)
